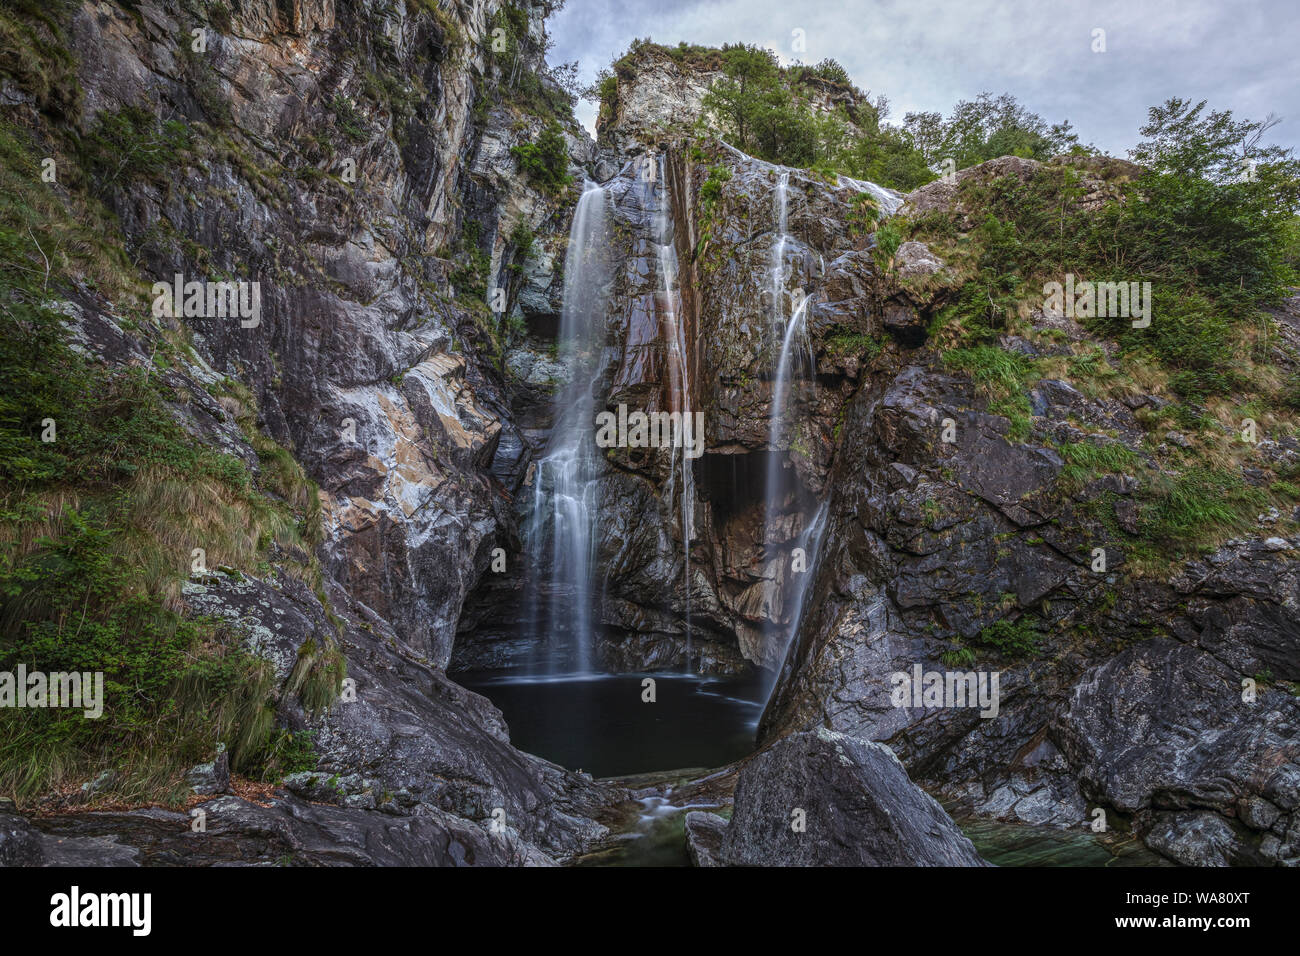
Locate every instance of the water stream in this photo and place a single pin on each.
(672, 328)
(794, 364)
(565, 487)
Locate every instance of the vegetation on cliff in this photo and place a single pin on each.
(1209, 221)
(813, 117)
(104, 495)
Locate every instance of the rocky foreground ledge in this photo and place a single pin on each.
(819, 798)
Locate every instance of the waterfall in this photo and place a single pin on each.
(565, 486)
(794, 361)
(673, 330)
(794, 347)
(780, 203)
(888, 199)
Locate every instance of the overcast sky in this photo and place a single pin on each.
(928, 54)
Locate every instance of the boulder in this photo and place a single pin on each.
(212, 777)
(704, 835)
(818, 798)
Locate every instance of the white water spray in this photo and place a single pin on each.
(565, 487)
(794, 363)
(672, 327)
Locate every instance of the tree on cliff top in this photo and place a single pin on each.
(748, 92)
(985, 128)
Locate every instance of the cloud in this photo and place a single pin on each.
(928, 54)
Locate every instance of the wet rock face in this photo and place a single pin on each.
(361, 361)
(930, 542)
(926, 542)
(1244, 601)
(732, 321)
(820, 798)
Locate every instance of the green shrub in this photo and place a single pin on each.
(857, 344)
(470, 276)
(349, 119)
(546, 162)
(1084, 460)
(1014, 639)
(958, 657)
(132, 144)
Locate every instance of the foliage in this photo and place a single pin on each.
(470, 277)
(857, 344)
(985, 128)
(1200, 501)
(103, 496)
(349, 119)
(1213, 248)
(546, 161)
(1013, 638)
(540, 91)
(1001, 375)
(130, 144)
(35, 53)
(1084, 460)
(523, 241)
(769, 111)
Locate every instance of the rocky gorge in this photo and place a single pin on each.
(437, 297)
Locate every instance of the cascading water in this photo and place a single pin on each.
(888, 200)
(565, 487)
(673, 330)
(780, 201)
(794, 362)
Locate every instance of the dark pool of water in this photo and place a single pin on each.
(600, 724)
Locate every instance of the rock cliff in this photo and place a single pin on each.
(870, 498)
(354, 160)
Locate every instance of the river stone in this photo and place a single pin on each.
(20, 843)
(704, 835)
(1202, 838)
(212, 777)
(860, 807)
